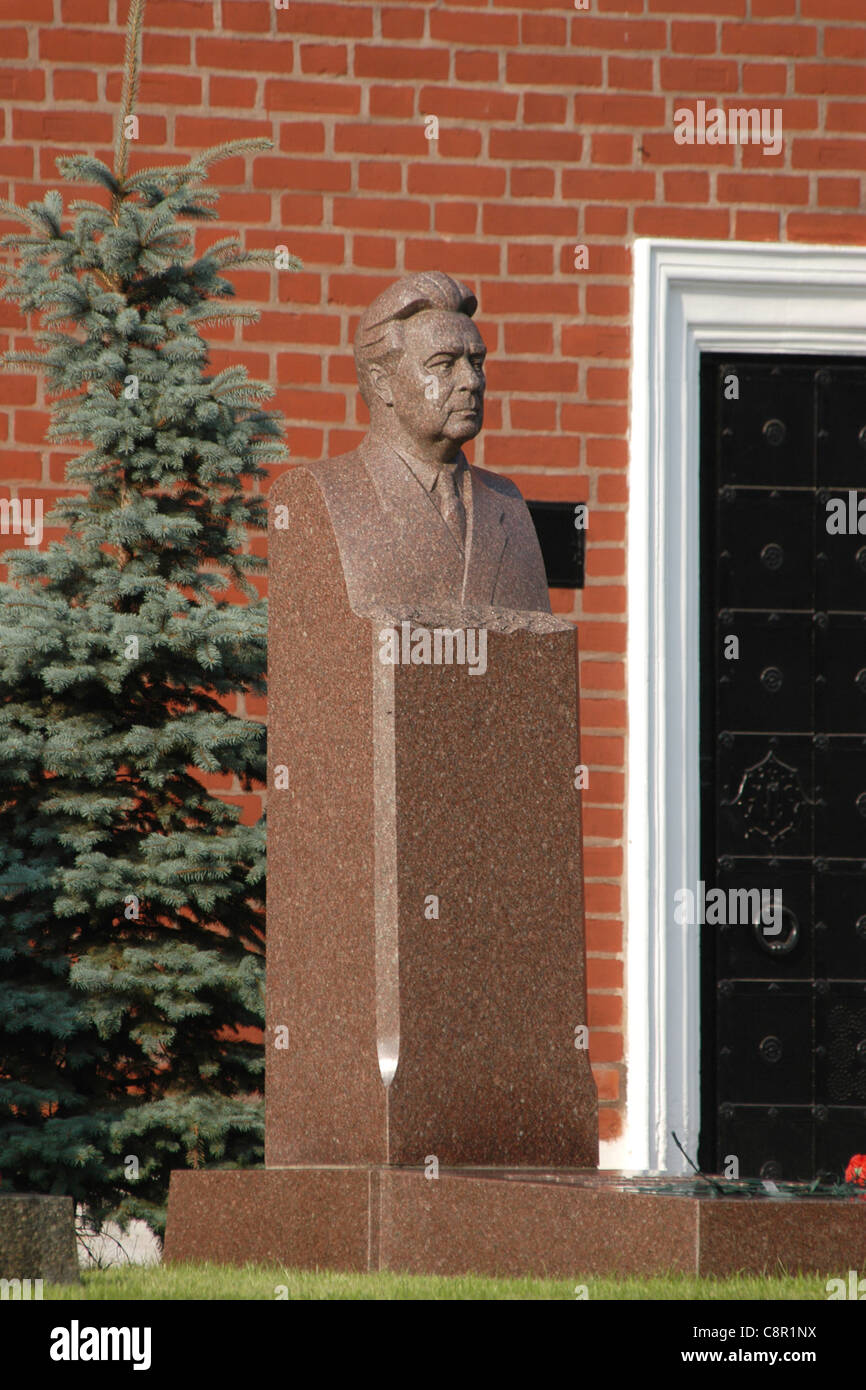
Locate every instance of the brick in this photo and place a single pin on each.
(833, 9)
(610, 564)
(315, 248)
(20, 85)
(285, 327)
(661, 149)
(459, 219)
(318, 406)
(330, 59)
(543, 31)
(840, 154)
(532, 415)
(605, 598)
(454, 143)
(606, 1047)
(835, 79)
(529, 339)
(554, 70)
(439, 179)
(698, 75)
(476, 66)
(402, 64)
(516, 452)
(380, 139)
(606, 1078)
(686, 186)
(244, 55)
(339, 98)
(846, 115)
(301, 137)
(71, 84)
(15, 42)
(40, 11)
(764, 79)
(838, 193)
(693, 37)
(603, 935)
(736, 8)
(510, 297)
(453, 26)
(630, 35)
(540, 108)
(356, 290)
(769, 188)
(844, 43)
(298, 287)
(393, 101)
(532, 183)
(299, 368)
(347, 21)
(66, 127)
(595, 419)
(468, 104)
(236, 92)
(776, 40)
(21, 465)
(323, 175)
(375, 252)
(380, 176)
(307, 209)
(603, 751)
(172, 14)
(596, 341)
(603, 452)
(538, 146)
(602, 823)
(160, 50)
(547, 487)
(508, 219)
(682, 222)
(529, 259)
(610, 1122)
(608, 384)
(240, 16)
(397, 213)
(604, 1010)
(630, 74)
(64, 45)
(773, 9)
(841, 228)
(616, 185)
(202, 131)
(473, 257)
(605, 221)
(400, 23)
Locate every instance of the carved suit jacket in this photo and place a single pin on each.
(396, 548)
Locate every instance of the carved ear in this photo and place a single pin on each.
(381, 382)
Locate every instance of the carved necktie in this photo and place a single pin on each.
(450, 503)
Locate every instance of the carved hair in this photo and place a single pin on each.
(379, 337)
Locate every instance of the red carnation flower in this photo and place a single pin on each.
(856, 1170)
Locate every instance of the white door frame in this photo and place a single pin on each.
(690, 296)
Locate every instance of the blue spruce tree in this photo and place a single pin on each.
(131, 899)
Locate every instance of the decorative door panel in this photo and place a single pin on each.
(783, 764)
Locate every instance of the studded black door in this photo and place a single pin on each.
(783, 764)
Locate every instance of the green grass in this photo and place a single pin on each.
(208, 1281)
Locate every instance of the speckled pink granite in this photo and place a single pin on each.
(408, 783)
(562, 1224)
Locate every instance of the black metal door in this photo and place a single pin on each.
(783, 764)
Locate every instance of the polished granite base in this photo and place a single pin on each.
(500, 1221)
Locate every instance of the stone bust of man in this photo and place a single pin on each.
(416, 525)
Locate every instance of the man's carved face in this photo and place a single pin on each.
(436, 388)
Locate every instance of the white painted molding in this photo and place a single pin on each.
(689, 297)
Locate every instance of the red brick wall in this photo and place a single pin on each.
(555, 128)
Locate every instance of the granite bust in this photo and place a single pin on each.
(416, 525)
